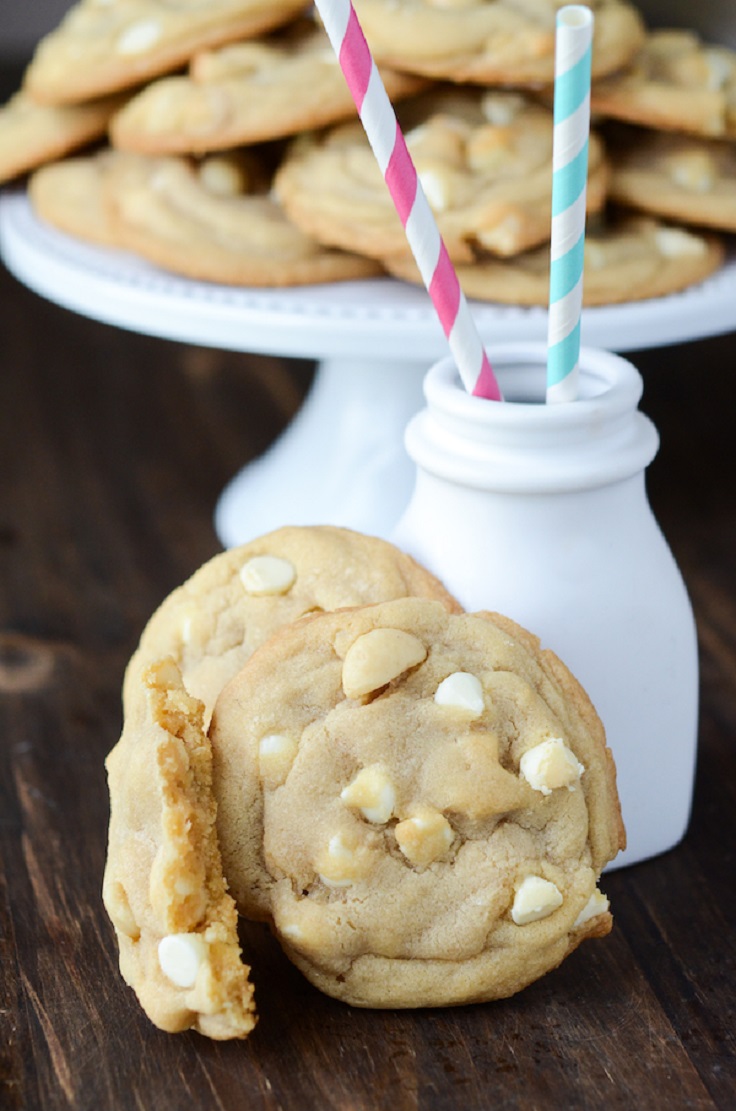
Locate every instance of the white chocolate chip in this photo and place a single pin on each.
(596, 904)
(436, 189)
(489, 148)
(501, 110)
(267, 574)
(139, 37)
(720, 68)
(292, 931)
(194, 627)
(186, 629)
(184, 886)
(326, 55)
(461, 691)
(276, 754)
(371, 792)
(343, 862)
(595, 254)
(549, 765)
(677, 243)
(694, 171)
(377, 657)
(425, 836)
(535, 898)
(118, 907)
(223, 177)
(503, 236)
(181, 956)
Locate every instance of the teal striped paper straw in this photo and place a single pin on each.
(569, 180)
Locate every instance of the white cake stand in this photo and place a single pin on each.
(341, 460)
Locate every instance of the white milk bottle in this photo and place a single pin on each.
(539, 511)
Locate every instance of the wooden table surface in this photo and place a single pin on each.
(114, 448)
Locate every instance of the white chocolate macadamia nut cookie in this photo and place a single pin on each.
(483, 157)
(493, 42)
(214, 220)
(245, 92)
(213, 622)
(100, 47)
(211, 219)
(164, 889)
(680, 177)
(74, 195)
(31, 134)
(676, 82)
(626, 258)
(421, 802)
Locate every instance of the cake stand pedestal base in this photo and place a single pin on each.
(341, 460)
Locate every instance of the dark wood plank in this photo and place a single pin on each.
(113, 450)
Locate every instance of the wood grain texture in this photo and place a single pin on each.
(113, 450)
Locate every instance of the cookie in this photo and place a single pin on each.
(32, 134)
(626, 259)
(216, 221)
(484, 159)
(213, 622)
(71, 196)
(164, 889)
(100, 47)
(211, 219)
(678, 177)
(247, 92)
(421, 802)
(676, 82)
(491, 42)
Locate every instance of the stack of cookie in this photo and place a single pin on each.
(418, 801)
(231, 149)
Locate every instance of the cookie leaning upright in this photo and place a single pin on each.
(101, 47)
(213, 622)
(422, 802)
(164, 889)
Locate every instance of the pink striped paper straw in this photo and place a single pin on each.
(389, 147)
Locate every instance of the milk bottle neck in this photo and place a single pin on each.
(522, 445)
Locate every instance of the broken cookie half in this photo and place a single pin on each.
(164, 887)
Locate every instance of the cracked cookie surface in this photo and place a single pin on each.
(421, 802)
